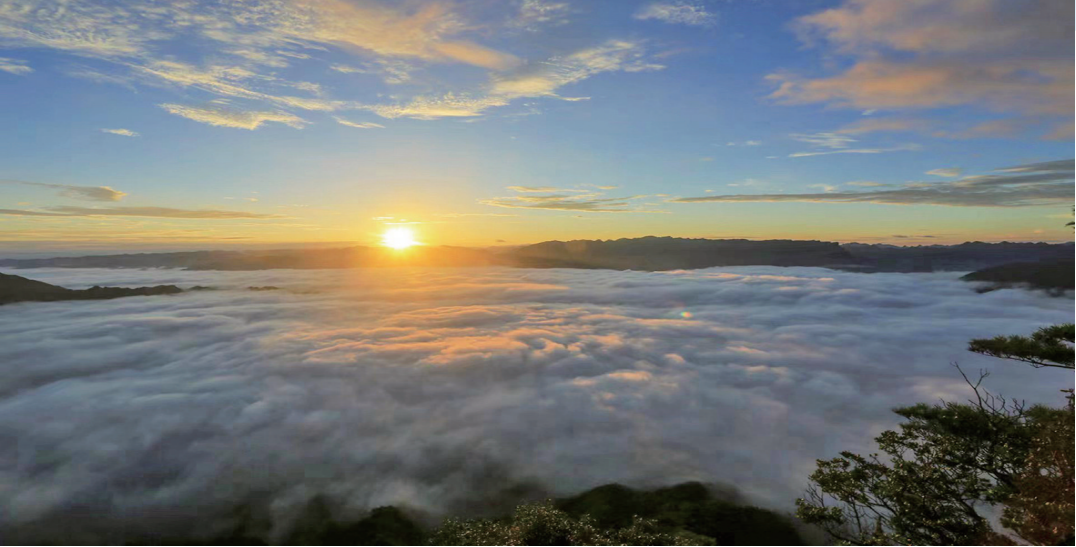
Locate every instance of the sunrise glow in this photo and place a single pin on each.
(399, 238)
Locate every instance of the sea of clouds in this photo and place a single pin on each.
(445, 389)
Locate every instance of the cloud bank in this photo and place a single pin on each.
(1045, 183)
(435, 388)
(992, 54)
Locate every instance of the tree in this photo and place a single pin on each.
(1047, 347)
(931, 479)
(544, 524)
(1041, 511)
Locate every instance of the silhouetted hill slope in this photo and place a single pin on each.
(341, 257)
(670, 253)
(974, 255)
(644, 253)
(1051, 276)
(15, 288)
(690, 509)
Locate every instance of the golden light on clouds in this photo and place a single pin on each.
(399, 238)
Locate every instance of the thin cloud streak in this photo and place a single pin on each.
(89, 193)
(1028, 185)
(150, 212)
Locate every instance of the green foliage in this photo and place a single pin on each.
(383, 526)
(685, 514)
(686, 508)
(1045, 348)
(1042, 510)
(931, 478)
(944, 464)
(544, 524)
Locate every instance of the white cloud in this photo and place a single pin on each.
(262, 32)
(900, 148)
(544, 79)
(435, 388)
(541, 198)
(537, 80)
(431, 108)
(535, 14)
(90, 193)
(241, 119)
(1045, 183)
(14, 66)
(147, 212)
(948, 172)
(243, 46)
(359, 125)
(391, 71)
(824, 140)
(121, 132)
(683, 13)
(549, 189)
(941, 53)
(838, 143)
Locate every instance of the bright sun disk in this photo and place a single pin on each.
(398, 238)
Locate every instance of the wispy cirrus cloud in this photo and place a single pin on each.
(900, 148)
(999, 56)
(89, 193)
(149, 212)
(547, 189)
(838, 143)
(540, 197)
(535, 14)
(947, 172)
(228, 117)
(1046, 183)
(247, 44)
(449, 105)
(14, 66)
(875, 125)
(265, 32)
(358, 125)
(536, 80)
(121, 132)
(682, 13)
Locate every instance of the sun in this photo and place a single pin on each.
(398, 238)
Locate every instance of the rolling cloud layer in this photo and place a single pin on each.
(436, 389)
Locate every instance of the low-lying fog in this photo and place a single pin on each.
(439, 388)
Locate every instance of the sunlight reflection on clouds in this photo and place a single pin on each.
(432, 387)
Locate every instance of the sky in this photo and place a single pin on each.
(193, 124)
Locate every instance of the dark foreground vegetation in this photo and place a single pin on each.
(14, 288)
(937, 480)
(685, 514)
(1055, 277)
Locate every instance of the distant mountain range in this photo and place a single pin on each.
(14, 288)
(1054, 277)
(645, 253)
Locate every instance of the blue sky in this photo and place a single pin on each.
(206, 124)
